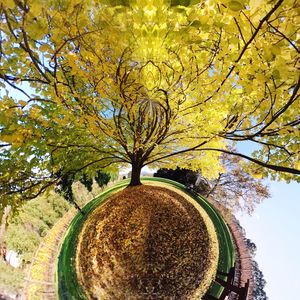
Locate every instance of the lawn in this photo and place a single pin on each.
(68, 286)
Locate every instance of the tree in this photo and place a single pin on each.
(65, 184)
(184, 176)
(236, 189)
(259, 281)
(102, 179)
(26, 230)
(92, 85)
(233, 188)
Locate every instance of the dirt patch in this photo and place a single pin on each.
(145, 243)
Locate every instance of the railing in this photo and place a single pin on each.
(229, 287)
(41, 275)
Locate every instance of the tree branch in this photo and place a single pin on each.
(256, 161)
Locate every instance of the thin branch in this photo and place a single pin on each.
(293, 44)
(256, 161)
(176, 153)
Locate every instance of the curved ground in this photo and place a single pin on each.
(146, 242)
(68, 285)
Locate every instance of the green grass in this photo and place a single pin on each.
(68, 286)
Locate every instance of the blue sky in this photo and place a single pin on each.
(275, 229)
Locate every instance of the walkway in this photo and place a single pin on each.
(41, 276)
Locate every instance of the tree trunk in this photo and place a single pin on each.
(3, 223)
(135, 175)
(78, 207)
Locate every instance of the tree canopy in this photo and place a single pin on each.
(92, 85)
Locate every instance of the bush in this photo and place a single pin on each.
(26, 230)
(11, 279)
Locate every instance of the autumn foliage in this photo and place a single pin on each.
(89, 85)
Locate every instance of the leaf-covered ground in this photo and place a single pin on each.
(145, 243)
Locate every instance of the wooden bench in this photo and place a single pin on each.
(229, 287)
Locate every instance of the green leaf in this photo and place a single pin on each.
(235, 5)
(196, 24)
(180, 2)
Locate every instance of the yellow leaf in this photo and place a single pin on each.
(45, 48)
(22, 102)
(9, 4)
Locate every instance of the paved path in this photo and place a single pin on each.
(41, 283)
(40, 279)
